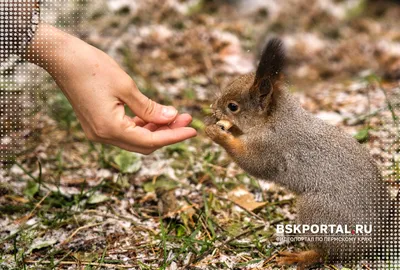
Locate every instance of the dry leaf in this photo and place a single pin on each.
(245, 199)
(17, 199)
(70, 181)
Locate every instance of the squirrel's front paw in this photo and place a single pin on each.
(217, 134)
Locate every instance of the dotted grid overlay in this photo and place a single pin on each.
(379, 203)
(384, 252)
(18, 22)
(390, 204)
(24, 87)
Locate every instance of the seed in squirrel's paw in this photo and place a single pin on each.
(224, 124)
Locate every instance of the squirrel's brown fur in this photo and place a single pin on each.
(274, 138)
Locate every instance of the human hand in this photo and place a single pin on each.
(98, 90)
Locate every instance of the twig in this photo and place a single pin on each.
(79, 229)
(85, 263)
(116, 216)
(389, 104)
(205, 228)
(221, 168)
(238, 205)
(231, 239)
(271, 258)
(227, 242)
(332, 267)
(25, 218)
(40, 202)
(366, 266)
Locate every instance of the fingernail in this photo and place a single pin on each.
(169, 112)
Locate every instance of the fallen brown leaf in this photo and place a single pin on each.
(243, 198)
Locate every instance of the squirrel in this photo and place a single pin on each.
(267, 133)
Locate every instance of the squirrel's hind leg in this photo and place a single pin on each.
(302, 259)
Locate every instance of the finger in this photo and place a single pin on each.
(151, 127)
(181, 121)
(141, 137)
(131, 148)
(118, 128)
(148, 110)
(130, 145)
(139, 122)
(127, 120)
(163, 137)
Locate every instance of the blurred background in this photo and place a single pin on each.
(66, 201)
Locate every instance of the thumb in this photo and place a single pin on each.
(149, 110)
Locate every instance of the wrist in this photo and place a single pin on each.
(47, 49)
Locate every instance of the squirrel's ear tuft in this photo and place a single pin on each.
(272, 60)
(270, 67)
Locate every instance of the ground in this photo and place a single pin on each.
(67, 203)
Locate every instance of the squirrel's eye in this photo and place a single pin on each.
(233, 107)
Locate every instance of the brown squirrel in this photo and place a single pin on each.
(268, 134)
